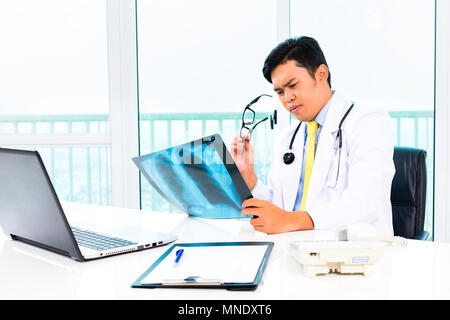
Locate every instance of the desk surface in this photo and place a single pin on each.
(416, 271)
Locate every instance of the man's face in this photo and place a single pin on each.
(299, 92)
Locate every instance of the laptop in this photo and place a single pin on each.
(198, 177)
(30, 211)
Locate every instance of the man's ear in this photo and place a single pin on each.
(322, 73)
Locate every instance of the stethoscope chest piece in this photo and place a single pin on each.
(288, 157)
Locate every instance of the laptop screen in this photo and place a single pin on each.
(30, 210)
(198, 177)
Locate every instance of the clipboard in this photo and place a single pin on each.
(224, 265)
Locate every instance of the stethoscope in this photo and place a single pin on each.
(289, 156)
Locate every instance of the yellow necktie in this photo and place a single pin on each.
(310, 148)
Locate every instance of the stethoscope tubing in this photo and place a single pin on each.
(289, 156)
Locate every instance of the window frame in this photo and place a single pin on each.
(441, 223)
(123, 102)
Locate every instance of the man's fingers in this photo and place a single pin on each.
(252, 211)
(256, 222)
(260, 229)
(241, 146)
(240, 149)
(234, 143)
(253, 202)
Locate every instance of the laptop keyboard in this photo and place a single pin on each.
(97, 241)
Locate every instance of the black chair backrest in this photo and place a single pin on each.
(408, 191)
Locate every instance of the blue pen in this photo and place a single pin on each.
(179, 253)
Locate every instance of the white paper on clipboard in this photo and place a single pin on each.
(229, 264)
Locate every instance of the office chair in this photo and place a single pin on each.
(408, 193)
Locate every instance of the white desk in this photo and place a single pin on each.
(417, 271)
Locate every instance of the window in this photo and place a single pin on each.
(54, 97)
(380, 53)
(200, 63)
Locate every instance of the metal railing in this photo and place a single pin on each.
(414, 129)
(81, 173)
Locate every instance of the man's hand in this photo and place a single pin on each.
(244, 156)
(272, 219)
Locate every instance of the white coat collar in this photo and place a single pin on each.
(323, 156)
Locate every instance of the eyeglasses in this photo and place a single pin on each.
(248, 118)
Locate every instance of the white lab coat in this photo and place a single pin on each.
(363, 189)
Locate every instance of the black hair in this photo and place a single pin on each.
(305, 51)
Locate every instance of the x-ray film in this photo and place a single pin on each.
(199, 177)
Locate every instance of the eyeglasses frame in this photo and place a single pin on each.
(248, 123)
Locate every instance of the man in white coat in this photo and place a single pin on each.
(346, 176)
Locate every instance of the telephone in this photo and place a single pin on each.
(366, 232)
(357, 250)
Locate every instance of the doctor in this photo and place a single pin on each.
(333, 167)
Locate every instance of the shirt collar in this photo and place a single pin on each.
(320, 118)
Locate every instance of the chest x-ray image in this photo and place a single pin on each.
(198, 177)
